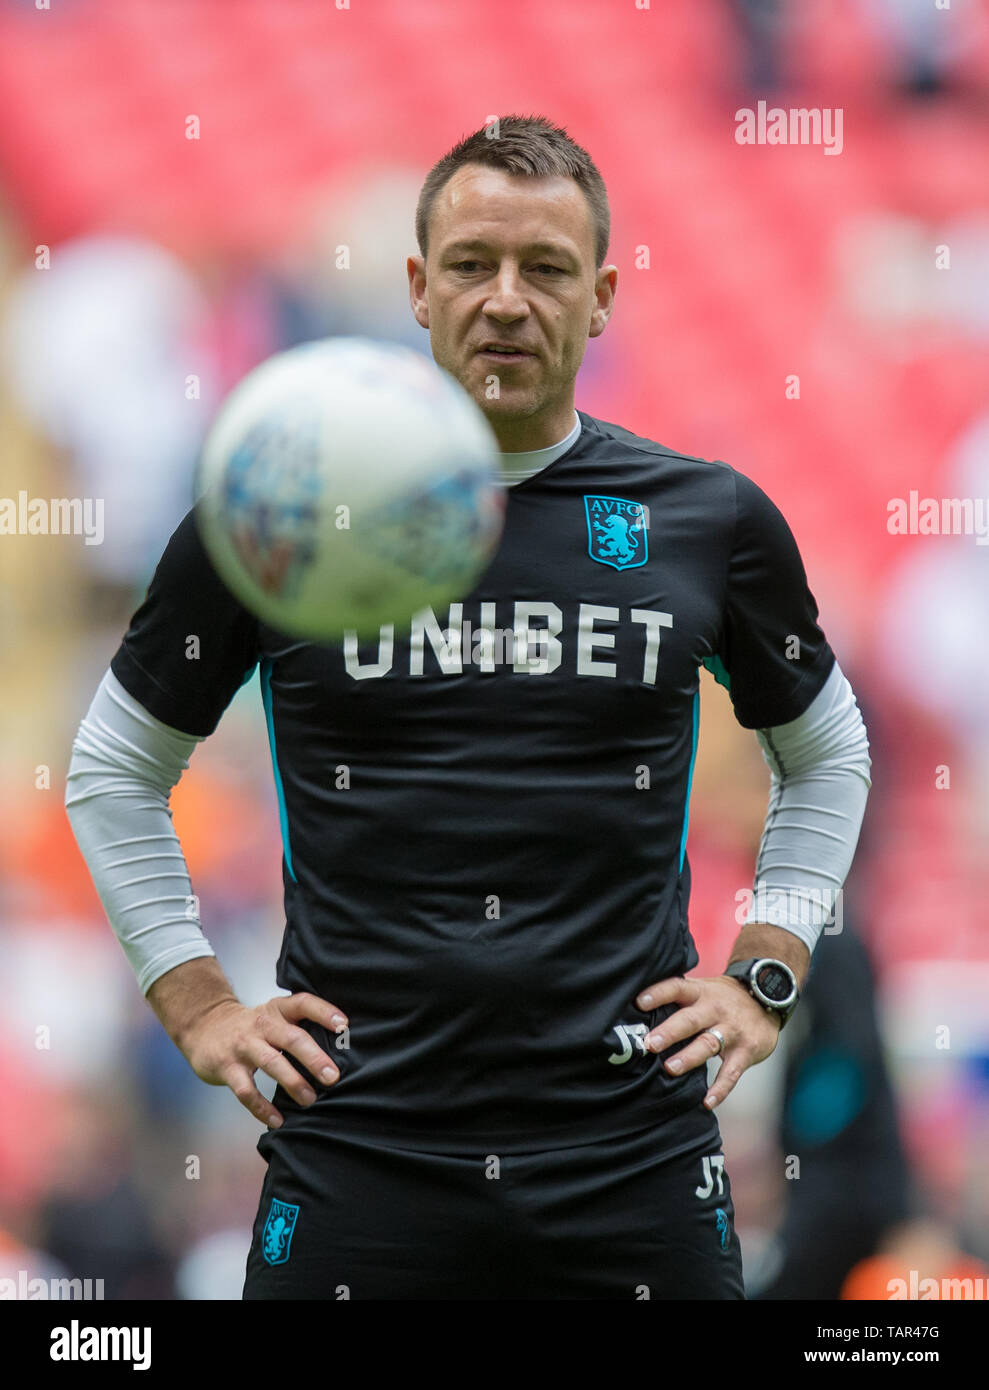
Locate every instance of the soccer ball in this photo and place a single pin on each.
(346, 484)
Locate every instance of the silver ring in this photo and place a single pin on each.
(720, 1037)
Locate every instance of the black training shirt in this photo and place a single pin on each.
(484, 853)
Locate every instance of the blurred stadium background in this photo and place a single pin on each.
(201, 173)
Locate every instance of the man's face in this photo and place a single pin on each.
(511, 264)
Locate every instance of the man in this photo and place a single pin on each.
(492, 917)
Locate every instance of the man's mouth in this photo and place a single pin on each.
(505, 352)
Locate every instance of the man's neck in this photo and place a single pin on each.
(527, 435)
(518, 465)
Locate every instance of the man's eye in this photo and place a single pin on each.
(555, 269)
(468, 267)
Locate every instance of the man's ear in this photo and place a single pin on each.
(416, 268)
(605, 286)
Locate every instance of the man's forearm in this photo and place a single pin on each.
(820, 770)
(124, 766)
(183, 996)
(762, 939)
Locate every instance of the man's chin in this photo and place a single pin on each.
(510, 405)
(512, 399)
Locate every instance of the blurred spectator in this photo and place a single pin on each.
(95, 1221)
(918, 1251)
(922, 39)
(99, 349)
(839, 1120)
(934, 609)
(214, 1267)
(758, 22)
(348, 264)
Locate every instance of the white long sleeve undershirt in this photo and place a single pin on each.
(123, 768)
(819, 782)
(125, 763)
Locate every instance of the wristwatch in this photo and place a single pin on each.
(770, 982)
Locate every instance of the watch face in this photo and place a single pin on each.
(774, 983)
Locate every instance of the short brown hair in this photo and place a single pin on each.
(526, 145)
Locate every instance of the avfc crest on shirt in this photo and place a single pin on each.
(276, 1239)
(617, 531)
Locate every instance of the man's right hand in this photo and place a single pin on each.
(225, 1042)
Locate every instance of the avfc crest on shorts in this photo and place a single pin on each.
(617, 531)
(276, 1239)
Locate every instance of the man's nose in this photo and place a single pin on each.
(507, 300)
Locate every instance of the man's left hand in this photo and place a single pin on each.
(750, 1032)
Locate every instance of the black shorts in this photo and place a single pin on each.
(343, 1218)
